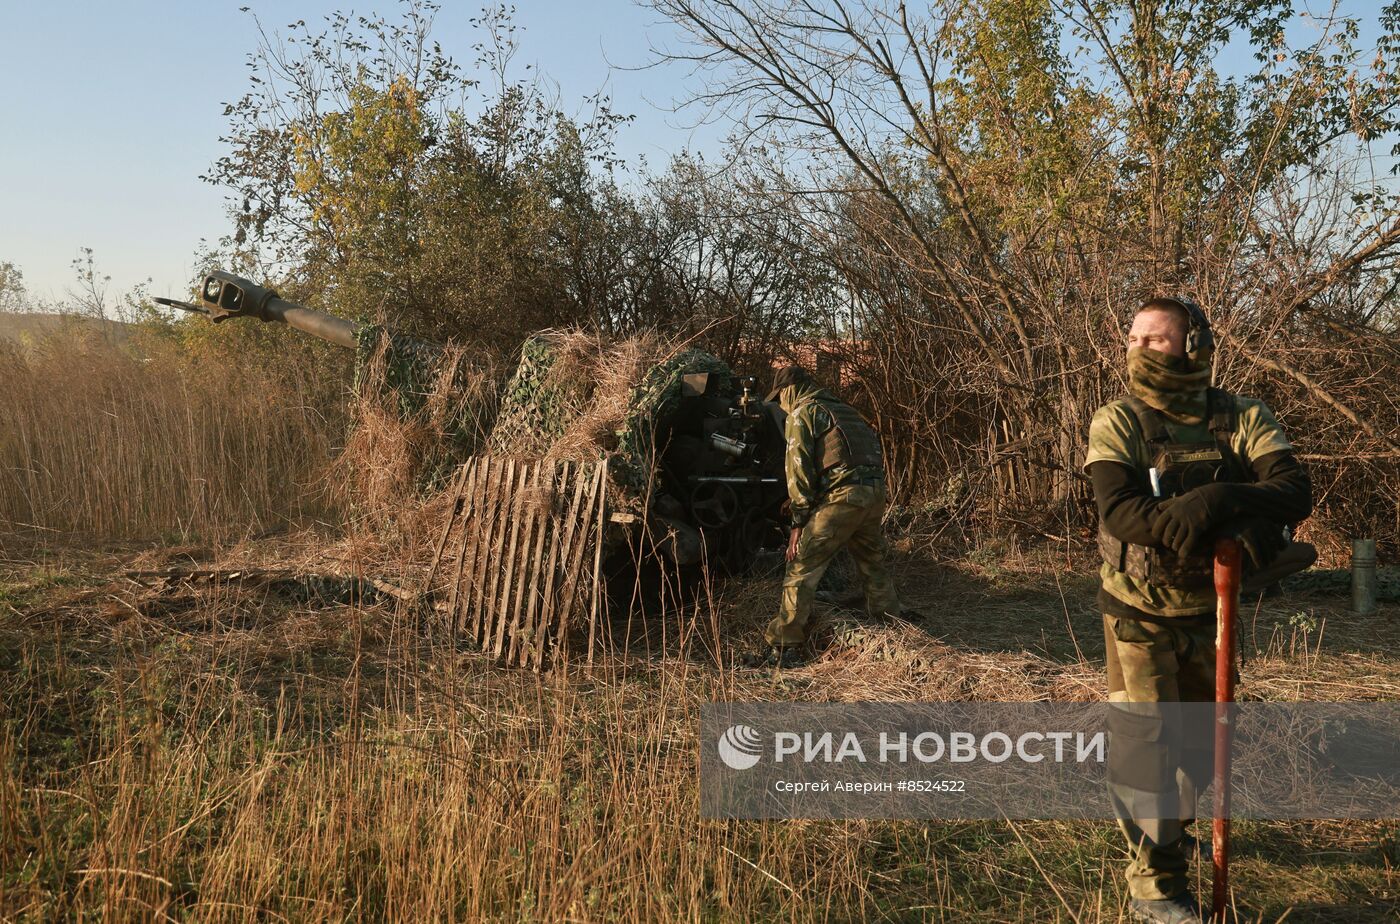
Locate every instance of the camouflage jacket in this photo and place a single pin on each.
(1116, 436)
(808, 486)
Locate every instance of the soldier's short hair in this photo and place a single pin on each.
(1171, 307)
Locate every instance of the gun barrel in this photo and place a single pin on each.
(224, 295)
(316, 323)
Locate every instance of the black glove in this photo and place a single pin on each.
(1260, 542)
(1184, 523)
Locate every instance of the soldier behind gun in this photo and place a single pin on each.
(836, 488)
(1174, 465)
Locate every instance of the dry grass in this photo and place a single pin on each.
(615, 368)
(98, 440)
(226, 754)
(576, 409)
(391, 458)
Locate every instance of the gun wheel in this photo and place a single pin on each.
(714, 504)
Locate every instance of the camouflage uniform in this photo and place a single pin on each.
(837, 507)
(1160, 648)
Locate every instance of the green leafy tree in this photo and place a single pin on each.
(1002, 181)
(374, 178)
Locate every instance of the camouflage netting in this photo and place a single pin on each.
(576, 396)
(650, 409)
(420, 378)
(540, 401)
(420, 409)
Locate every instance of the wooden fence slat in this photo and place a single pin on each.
(602, 522)
(574, 539)
(454, 515)
(536, 612)
(506, 569)
(550, 608)
(471, 538)
(515, 570)
(531, 515)
(489, 565)
(574, 562)
(457, 570)
(458, 561)
(471, 614)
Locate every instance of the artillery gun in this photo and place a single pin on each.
(224, 295)
(538, 551)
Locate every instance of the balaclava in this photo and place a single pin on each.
(1174, 385)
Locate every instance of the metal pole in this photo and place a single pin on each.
(1363, 576)
(1227, 591)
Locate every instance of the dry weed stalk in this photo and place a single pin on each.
(405, 438)
(99, 441)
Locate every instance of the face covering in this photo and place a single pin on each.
(791, 396)
(1174, 385)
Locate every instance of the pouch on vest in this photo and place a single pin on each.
(1181, 467)
(849, 441)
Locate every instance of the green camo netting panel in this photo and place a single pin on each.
(412, 369)
(537, 409)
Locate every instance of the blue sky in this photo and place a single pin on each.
(111, 111)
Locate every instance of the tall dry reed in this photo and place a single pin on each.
(157, 440)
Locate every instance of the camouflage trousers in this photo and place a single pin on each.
(850, 520)
(1155, 767)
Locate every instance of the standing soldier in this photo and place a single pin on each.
(1175, 464)
(836, 488)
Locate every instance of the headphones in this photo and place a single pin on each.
(1198, 333)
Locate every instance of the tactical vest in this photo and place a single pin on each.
(1180, 468)
(849, 441)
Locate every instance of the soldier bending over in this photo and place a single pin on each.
(836, 488)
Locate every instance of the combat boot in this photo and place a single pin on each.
(1180, 910)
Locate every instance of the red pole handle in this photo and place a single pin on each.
(1227, 592)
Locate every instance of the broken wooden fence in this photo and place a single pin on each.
(517, 566)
